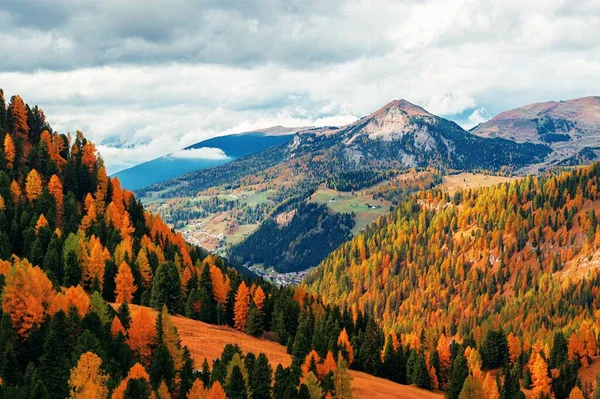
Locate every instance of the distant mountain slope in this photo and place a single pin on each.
(399, 135)
(407, 135)
(231, 147)
(567, 126)
(465, 262)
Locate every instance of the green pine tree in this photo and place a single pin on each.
(261, 378)
(166, 289)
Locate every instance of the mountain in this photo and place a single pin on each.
(371, 153)
(406, 135)
(213, 152)
(399, 135)
(569, 127)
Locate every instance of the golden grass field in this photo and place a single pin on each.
(207, 341)
(472, 180)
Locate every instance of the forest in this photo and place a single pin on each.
(513, 261)
(482, 294)
(76, 249)
(302, 242)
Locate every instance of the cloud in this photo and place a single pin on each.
(201, 153)
(478, 116)
(147, 78)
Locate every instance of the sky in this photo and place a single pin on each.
(146, 78)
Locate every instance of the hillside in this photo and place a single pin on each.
(72, 240)
(570, 127)
(203, 155)
(518, 257)
(207, 341)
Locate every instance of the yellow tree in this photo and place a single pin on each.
(514, 347)
(539, 376)
(33, 185)
(345, 346)
(144, 268)
(125, 287)
(9, 150)
(490, 387)
(95, 262)
(88, 380)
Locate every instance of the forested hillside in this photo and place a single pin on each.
(299, 243)
(72, 240)
(510, 271)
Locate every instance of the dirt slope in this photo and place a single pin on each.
(207, 340)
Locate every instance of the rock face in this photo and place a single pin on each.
(408, 135)
(568, 127)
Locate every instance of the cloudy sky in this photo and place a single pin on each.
(147, 77)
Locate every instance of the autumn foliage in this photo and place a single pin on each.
(88, 380)
(26, 296)
(242, 305)
(125, 287)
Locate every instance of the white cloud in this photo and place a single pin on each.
(148, 86)
(201, 153)
(478, 116)
(337, 120)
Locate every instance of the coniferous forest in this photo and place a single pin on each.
(486, 293)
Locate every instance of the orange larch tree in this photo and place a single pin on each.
(9, 150)
(72, 297)
(27, 295)
(137, 371)
(259, 298)
(221, 286)
(241, 307)
(116, 327)
(345, 346)
(19, 114)
(41, 222)
(88, 157)
(216, 392)
(102, 189)
(15, 191)
(514, 347)
(490, 387)
(56, 189)
(141, 334)
(125, 287)
(33, 185)
(197, 391)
